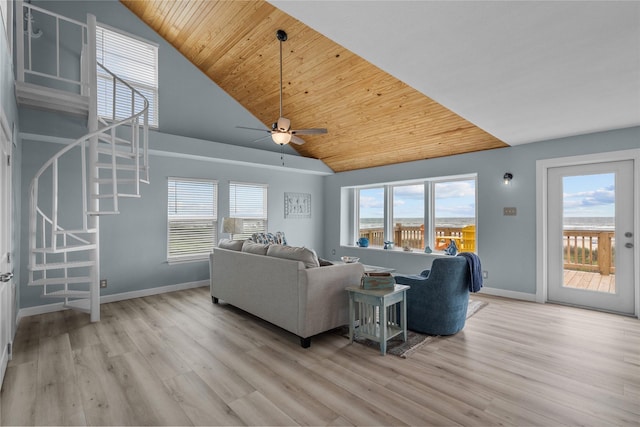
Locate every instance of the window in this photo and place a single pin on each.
(133, 60)
(408, 216)
(417, 214)
(371, 215)
(249, 202)
(192, 218)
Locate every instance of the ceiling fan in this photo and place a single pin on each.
(281, 132)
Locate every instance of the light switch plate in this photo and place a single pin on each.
(509, 211)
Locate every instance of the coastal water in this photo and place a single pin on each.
(570, 223)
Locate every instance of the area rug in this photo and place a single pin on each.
(415, 340)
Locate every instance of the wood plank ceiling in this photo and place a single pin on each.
(373, 118)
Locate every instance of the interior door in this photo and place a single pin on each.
(6, 272)
(590, 236)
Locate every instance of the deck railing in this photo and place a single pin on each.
(413, 236)
(584, 250)
(589, 250)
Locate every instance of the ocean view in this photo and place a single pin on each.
(570, 223)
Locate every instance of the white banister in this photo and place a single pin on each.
(49, 242)
(24, 54)
(20, 40)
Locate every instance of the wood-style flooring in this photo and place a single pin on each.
(177, 359)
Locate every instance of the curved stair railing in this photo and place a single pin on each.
(63, 236)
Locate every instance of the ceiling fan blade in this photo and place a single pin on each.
(315, 131)
(261, 138)
(262, 130)
(296, 140)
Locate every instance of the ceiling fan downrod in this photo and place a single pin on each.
(282, 36)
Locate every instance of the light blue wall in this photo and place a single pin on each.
(506, 245)
(133, 244)
(190, 103)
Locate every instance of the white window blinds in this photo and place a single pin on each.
(134, 61)
(192, 218)
(249, 202)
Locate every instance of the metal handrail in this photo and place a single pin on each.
(52, 163)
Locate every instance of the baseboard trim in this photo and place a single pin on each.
(50, 308)
(508, 294)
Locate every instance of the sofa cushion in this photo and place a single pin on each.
(254, 248)
(271, 238)
(234, 245)
(307, 256)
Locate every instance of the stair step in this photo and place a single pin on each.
(119, 166)
(118, 153)
(61, 265)
(83, 305)
(98, 213)
(67, 294)
(106, 138)
(62, 249)
(110, 196)
(119, 180)
(78, 231)
(61, 281)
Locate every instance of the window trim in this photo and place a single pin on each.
(215, 218)
(155, 103)
(353, 229)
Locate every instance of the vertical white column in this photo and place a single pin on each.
(94, 203)
(19, 31)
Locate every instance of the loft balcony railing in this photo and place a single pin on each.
(52, 51)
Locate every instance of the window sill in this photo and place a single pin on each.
(185, 260)
(396, 250)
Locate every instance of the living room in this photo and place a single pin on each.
(134, 244)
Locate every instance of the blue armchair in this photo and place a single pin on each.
(437, 300)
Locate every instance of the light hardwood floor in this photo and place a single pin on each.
(177, 359)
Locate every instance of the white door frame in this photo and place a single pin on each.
(542, 167)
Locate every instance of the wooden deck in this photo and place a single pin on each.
(590, 281)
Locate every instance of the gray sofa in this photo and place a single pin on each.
(302, 299)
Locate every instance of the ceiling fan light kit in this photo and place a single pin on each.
(281, 132)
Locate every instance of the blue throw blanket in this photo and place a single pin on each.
(475, 269)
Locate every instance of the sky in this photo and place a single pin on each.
(454, 199)
(589, 195)
(584, 196)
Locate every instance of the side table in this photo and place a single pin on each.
(377, 314)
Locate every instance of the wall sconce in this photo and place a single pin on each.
(508, 176)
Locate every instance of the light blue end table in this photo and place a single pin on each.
(377, 314)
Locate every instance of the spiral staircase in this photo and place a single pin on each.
(64, 227)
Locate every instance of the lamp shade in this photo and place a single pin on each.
(281, 138)
(232, 225)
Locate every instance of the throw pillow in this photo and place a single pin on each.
(307, 256)
(254, 248)
(234, 245)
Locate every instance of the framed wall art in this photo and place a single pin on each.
(297, 205)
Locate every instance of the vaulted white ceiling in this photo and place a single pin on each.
(524, 71)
